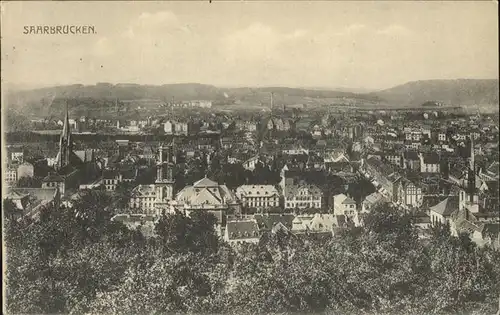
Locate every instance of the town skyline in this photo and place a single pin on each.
(250, 157)
(169, 43)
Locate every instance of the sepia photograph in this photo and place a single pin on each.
(250, 157)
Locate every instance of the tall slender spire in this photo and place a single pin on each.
(65, 142)
(472, 157)
(472, 171)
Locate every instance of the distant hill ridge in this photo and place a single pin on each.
(448, 92)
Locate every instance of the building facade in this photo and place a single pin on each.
(258, 196)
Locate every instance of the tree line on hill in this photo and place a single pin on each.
(78, 261)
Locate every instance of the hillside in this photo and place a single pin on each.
(102, 96)
(449, 92)
(50, 101)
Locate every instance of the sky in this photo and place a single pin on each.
(370, 45)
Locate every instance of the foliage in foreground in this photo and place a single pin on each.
(77, 261)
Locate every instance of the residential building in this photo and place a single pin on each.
(29, 201)
(181, 128)
(11, 174)
(239, 232)
(442, 136)
(482, 228)
(268, 221)
(343, 205)
(302, 195)
(411, 160)
(142, 199)
(25, 169)
(372, 201)
(394, 158)
(409, 193)
(429, 162)
(317, 223)
(491, 172)
(111, 178)
(258, 196)
(16, 154)
(138, 222)
(383, 176)
(251, 163)
(168, 127)
(441, 213)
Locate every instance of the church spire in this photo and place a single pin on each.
(471, 178)
(472, 157)
(65, 142)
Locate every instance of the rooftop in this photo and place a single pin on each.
(447, 206)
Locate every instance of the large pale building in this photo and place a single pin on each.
(207, 195)
(302, 195)
(142, 199)
(409, 193)
(258, 196)
(343, 205)
(298, 194)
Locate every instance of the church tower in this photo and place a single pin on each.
(65, 143)
(164, 184)
(468, 196)
(471, 174)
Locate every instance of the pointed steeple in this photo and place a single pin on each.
(472, 157)
(65, 142)
(471, 176)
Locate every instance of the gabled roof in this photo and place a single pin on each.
(206, 196)
(490, 229)
(323, 222)
(257, 190)
(15, 195)
(405, 182)
(431, 158)
(267, 221)
(381, 167)
(462, 225)
(342, 199)
(279, 227)
(292, 189)
(205, 182)
(411, 155)
(493, 168)
(421, 218)
(53, 178)
(109, 174)
(492, 186)
(374, 198)
(128, 173)
(206, 192)
(447, 206)
(143, 191)
(242, 229)
(39, 193)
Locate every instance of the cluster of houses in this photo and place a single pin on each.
(417, 168)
